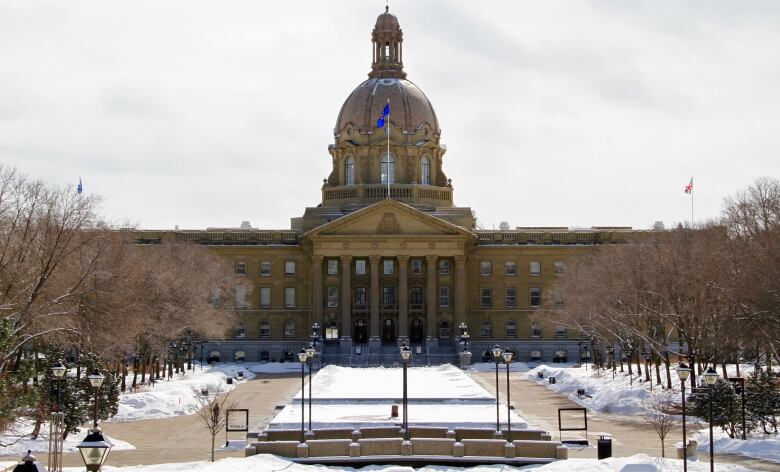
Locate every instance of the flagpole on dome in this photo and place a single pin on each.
(388, 148)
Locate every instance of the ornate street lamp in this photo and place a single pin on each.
(96, 380)
(303, 358)
(310, 352)
(58, 370)
(683, 372)
(28, 464)
(711, 377)
(94, 449)
(406, 353)
(315, 334)
(507, 355)
(496, 351)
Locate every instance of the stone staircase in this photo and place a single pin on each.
(388, 355)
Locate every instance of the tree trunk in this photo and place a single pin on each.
(657, 360)
(725, 372)
(692, 364)
(143, 368)
(667, 366)
(38, 421)
(212, 448)
(124, 374)
(638, 365)
(738, 375)
(663, 451)
(189, 356)
(170, 368)
(628, 361)
(135, 373)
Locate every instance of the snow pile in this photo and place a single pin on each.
(267, 463)
(41, 444)
(758, 446)
(177, 396)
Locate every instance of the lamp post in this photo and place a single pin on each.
(315, 334)
(303, 357)
(507, 355)
(94, 448)
(58, 370)
(496, 351)
(310, 352)
(406, 353)
(711, 377)
(683, 372)
(739, 387)
(96, 380)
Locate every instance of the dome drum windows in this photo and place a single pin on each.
(349, 171)
(387, 170)
(425, 171)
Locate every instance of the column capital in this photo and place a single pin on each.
(430, 258)
(346, 258)
(459, 259)
(317, 258)
(374, 259)
(403, 258)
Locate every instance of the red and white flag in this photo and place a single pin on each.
(689, 186)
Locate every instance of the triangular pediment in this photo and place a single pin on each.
(389, 218)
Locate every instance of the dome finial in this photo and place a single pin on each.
(387, 38)
(387, 6)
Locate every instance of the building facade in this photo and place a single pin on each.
(387, 258)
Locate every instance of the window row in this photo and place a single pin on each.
(510, 268)
(388, 266)
(388, 300)
(387, 170)
(239, 268)
(510, 330)
(510, 297)
(265, 329)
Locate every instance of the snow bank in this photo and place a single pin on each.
(759, 446)
(178, 396)
(41, 444)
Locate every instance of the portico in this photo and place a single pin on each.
(400, 274)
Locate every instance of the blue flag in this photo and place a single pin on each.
(380, 123)
(79, 188)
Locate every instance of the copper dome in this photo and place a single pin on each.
(409, 107)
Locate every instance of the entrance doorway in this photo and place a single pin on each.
(388, 331)
(416, 331)
(360, 332)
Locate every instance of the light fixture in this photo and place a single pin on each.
(683, 371)
(58, 370)
(406, 353)
(95, 379)
(94, 449)
(508, 356)
(496, 351)
(302, 355)
(711, 376)
(310, 352)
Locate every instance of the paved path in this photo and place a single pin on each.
(630, 435)
(185, 438)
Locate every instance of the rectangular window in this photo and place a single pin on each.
(511, 329)
(388, 267)
(265, 297)
(333, 297)
(289, 268)
(417, 298)
(536, 331)
(485, 267)
(265, 329)
(388, 297)
(511, 297)
(558, 267)
(487, 329)
(289, 297)
(536, 297)
(333, 266)
(510, 268)
(535, 268)
(444, 297)
(416, 266)
(360, 297)
(560, 332)
(240, 268)
(444, 266)
(265, 269)
(486, 297)
(360, 267)
(240, 297)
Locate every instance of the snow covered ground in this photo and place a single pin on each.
(267, 463)
(355, 397)
(759, 446)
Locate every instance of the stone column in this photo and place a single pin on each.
(316, 293)
(346, 302)
(430, 305)
(373, 338)
(460, 291)
(403, 300)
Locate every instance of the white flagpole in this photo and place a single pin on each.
(388, 148)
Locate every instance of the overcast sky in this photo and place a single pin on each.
(554, 113)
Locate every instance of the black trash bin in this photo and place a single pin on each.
(230, 380)
(551, 380)
(604, 447)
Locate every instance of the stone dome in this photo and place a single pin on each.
(387, 21)
(409, 107)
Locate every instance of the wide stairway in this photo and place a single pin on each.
(388, 355)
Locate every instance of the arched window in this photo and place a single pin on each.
(487, 329)
(289, 328)
(425, 171)
(387, 170)
(511, 329)
(265, 329)
(444, 330)
(349, 171)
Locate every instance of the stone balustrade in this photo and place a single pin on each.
(368, 193)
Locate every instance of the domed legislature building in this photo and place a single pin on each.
(386, 258)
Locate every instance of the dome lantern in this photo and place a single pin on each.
(387, 39)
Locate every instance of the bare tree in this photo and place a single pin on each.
(658, 409)
(214, 403)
